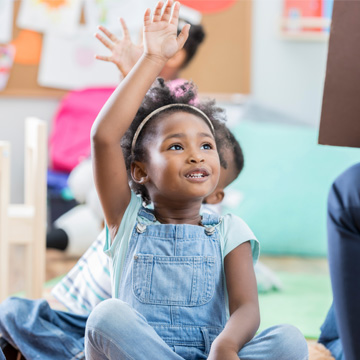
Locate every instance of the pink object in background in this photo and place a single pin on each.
(69, 141)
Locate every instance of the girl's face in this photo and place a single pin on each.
(183, 162)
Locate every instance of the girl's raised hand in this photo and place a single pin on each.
(160, 31)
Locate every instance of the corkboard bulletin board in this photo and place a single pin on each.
(222, 64)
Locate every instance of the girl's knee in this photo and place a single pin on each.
(290, 338)
(109, 314)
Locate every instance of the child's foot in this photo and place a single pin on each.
(319, 352)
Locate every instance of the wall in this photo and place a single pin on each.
(12, 114)
(287, 76)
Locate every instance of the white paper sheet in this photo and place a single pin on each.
(68, 62)
(62, 16)
(108, 13)
(6, 20)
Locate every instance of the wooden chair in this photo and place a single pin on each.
(25, 224)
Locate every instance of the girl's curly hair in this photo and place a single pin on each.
(160, 95)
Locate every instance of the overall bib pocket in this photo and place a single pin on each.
(173, 280)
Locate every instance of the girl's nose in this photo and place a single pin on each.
(196, 158)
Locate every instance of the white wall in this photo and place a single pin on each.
(287, 76)
(12, 114)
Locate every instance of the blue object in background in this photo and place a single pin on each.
(327, 11)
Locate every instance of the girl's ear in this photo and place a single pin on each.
(138, 173)
(215, 197)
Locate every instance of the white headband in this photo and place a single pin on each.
(142, 124)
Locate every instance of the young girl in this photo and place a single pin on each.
(183, 284)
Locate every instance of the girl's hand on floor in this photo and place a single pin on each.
(124, 53)
(160, 31)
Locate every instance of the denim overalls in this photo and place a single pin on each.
(173, 276)
(170, 303)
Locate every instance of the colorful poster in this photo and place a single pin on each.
(6, 17)
(68, 62)
(108, 13)
(295, 10)
(327, 11)
(28, 47)
(62, 16)
(208, 7)
(7, 54)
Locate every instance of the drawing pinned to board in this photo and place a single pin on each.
(28, 47)
(108, 13)
(68, 62)
(50, 15)
(6, 16)
(208, 7)
(7, 53)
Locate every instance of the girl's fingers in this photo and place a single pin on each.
(147, 17)
(167, 11)
(184, 34)
(103, 58)
(124, 28)
(107, 43)
(175, 14)
(157, 11)
(109, 34)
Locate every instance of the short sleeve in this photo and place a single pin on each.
(233, 232)
(118, 248)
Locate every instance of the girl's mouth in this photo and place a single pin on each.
(197, 174)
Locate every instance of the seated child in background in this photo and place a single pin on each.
(183, 283)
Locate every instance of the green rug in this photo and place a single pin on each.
(303, 302)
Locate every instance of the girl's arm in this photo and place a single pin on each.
(243, 304)
(160, 43)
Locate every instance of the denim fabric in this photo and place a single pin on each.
(343, 224)
(116, 331)
(2, 357)
(329, 336)
(171, 301)
(40, 332)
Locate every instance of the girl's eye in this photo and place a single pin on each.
(176, 147)
(206, 147)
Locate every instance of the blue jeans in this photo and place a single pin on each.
(116, 331)
(40, 332)
(343, 224)
(330, 337)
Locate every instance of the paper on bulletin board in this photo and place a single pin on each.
(68, 62)
(108, 13)
(6, 18)
(7, 53)
(48, 15)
